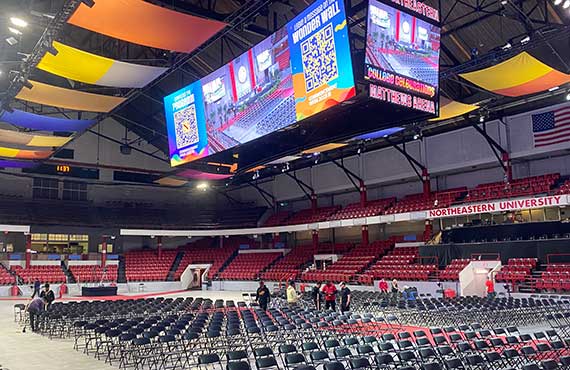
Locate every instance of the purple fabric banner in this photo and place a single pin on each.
(44, 123)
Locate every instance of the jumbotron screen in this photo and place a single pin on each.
(301, 70)
(402, 56)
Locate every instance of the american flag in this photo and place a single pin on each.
(550, 128)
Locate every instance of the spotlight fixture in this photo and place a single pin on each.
(568, 96)
(504, 2)
(554, 88)
(15, 31)
(52, 50)
(416, 136)
(18, 22)
(12, 41)
(481, 118)
(202, 186)
(508, 44)
(89, 3)
(557, 2)
(26, 83)
(525, 40)
(566, 4)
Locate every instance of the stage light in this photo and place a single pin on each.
(508, 44)
(482, 119)
(568, 96)
(504, 2)
(15, 31)
(554, 88)
(53, 51)
(416, 136)
(26, 83)
(566, 4)
(19, 22)
(525, 40)
(557, 2)
(12, 41)
(202, 186)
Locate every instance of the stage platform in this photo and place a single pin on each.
(99, 291)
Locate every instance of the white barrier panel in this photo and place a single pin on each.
(15, 228)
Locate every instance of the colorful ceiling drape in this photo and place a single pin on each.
(146, 24)
(55, 96)
(25, 154)
(82, 66)
(451, 108)
(44, 123)
(22, 138)
(8, 163)
(518, 76)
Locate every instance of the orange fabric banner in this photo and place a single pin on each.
(146, 24)
(55, 96)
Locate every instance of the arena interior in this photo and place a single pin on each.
(285, 184)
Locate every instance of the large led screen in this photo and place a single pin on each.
(402, 52)
(301, 70)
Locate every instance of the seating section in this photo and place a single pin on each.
(289, 266)
(45, 274)
(402, 264)
(555, 278)
(517, 270)
(451, 271)
(564, 188)
(94, 273)
(516, 188)
(277, 219)
(351, 263)
(420, 202)
(5, 277)
(147, 266)
(248, 266)
(203, 252)
(307, 216)
(355, 210)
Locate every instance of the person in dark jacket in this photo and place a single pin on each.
(317, 296)
(48, 295)
(37, 287)
(344, 298)
(263, 296)
(35, 308)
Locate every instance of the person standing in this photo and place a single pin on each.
(35, 308)
(317, 296)
(292, 296)
(490, 288)
(37, 287)
(344, 298)
(48, 295)
(263, 296)
(395, 289)
(383, 286)
(329, 291)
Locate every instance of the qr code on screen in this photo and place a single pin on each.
(186, 127)
(319, 58)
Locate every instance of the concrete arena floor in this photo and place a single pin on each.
(29, 351)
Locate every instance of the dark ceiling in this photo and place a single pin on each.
(484, 26)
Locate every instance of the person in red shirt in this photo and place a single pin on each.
(490, 287)
(329, 290)
(383, 286)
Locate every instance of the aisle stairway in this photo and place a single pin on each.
(174, 266)
(68, 274)
(121, 274)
